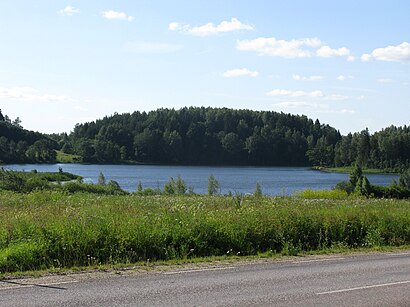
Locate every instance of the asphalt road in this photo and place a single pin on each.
(338, 280)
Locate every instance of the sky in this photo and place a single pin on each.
(346, 63)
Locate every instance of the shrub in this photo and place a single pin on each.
(213, 185)
(258, 190)
(344, 186)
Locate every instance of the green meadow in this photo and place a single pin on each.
(55, 229)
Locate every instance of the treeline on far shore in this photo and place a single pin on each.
(209, 136)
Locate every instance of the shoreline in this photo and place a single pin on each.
(348, 170)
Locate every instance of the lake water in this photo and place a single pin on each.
(273, 180)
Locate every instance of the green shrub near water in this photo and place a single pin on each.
(46, 229)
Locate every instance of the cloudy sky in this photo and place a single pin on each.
(344, 62)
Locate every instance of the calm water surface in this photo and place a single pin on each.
(273, 180)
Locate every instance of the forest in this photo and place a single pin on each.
(210, 136)
(18, 145)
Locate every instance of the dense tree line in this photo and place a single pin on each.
(206, 136)
(202, 136)
(18, 145)
(386, 149)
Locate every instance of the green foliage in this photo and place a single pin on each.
(139, 187)
(345, 186)
(169, 187)
(149, 192)
(356, 176)
(323, 194)
(213, 185)
(180, 186)
(175, 187)
(51, 229)
(322, 154)
(199, 136)
(12, 181)
(258, 190)
(101, 179)
(63, 157)
(363, 186)
(18, 145)
(111, 188)
(393, 191)
(404, 179)
(388, 149)
(25, 182)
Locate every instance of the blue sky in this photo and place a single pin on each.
(344, 62)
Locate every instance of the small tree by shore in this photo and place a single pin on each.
(101, 179)
(258, 190)
(213, 185)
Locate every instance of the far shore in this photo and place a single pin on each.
(348, 170)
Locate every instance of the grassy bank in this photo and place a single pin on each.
(349, 169)
(50, 229)
(63, 157)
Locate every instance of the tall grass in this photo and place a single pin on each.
(322, 194)
(52, 229)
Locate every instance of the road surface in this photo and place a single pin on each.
(381, 279)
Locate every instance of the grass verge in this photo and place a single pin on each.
(52, 230)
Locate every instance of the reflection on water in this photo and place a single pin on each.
(273, 180)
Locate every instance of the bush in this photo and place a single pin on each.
(258, 190)
(392, 191)
(213, 185)
(344, 186)
(112, 188)
(404, 179)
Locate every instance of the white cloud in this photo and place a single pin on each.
(29, 94)
(210, 29)
(317, 94)
(306, 105)
(151, 47)
(69, 11)
(174, 26)
(281, 92)
(351, 58)
(384, 80)
(344, 77)
(310, 78)
(366, 57)
(113, 15)
(399, 53)
(327, 52)
(299, 104)
(295, 48)
(239, 72)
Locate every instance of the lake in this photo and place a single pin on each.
(273, 180)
